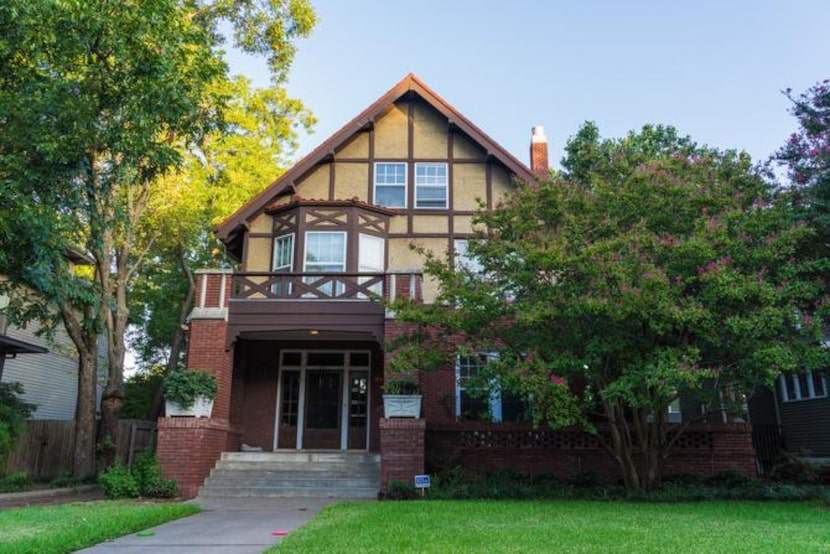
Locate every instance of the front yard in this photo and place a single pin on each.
(564, 526)
(69, 527)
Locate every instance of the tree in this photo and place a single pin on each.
(95, 100)
(217, 176)
(653, 268)
(807, 157)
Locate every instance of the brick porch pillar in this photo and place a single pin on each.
(401, 449)
(188, 448)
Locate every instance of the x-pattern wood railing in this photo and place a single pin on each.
(310, 286)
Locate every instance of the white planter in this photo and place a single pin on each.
(402, 405)
(202, 407)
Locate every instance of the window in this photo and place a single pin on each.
(283, 262)
(390, 185)
(480, 399)
(430, 185)
(674, 413)
(463, 260)
(325, 252)
(370, 259)
(806, 385)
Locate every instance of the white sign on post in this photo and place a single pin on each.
(422, 481)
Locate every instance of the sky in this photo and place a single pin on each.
(713, 69)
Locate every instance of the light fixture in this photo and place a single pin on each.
(314, 332)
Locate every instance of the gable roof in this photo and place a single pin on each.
(410, 83)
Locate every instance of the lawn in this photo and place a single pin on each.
(69, 527)
(564, 526)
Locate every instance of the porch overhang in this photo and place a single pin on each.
(265, 319)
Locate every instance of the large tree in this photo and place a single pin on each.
(218, 175)
(94, 100)
(652, 268)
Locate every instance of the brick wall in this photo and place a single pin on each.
(402, 450)
(482, 447)
(189, 447)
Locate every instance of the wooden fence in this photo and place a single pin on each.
(46, 449)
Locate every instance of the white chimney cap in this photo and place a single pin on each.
(538, 135)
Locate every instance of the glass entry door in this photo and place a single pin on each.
(323, 400)
(322, 410)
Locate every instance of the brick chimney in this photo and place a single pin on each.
(539, 152)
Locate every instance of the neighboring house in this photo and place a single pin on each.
(298, 345)
(49, 379)
(795, 417)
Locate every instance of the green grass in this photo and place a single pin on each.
(564, 526)
(69, 527)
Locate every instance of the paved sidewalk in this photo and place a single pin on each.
(226, 525)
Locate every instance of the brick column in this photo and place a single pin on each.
(401, 450)
(188, 448)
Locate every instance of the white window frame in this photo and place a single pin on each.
(674, 413)
(422, 185)
(306, 268)
(462, 260)
(790, 389)
(289, 268)
(391, 185)
(495, 399)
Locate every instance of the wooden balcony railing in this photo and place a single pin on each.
(326, 286)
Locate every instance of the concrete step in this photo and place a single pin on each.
(294, 474)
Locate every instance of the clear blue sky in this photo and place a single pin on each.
(713, 69)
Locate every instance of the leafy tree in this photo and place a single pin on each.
(807, 156)
(94, 102)
(652, 268)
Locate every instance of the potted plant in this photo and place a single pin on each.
(189, 393)
(401, 397)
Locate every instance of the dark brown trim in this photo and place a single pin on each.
(450, 181)
(488, 178)
(332, 165)
(481, 161)
(410, 154)
(370, 196)
(408, 85)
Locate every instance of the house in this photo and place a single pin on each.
(297, 343)
(50, 379)
(794, 416)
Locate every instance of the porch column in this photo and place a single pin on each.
(401, 450)
(188, 448)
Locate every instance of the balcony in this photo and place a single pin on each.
(326, 286)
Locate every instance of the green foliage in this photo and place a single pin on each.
(13, 415)
(788, 467)
(652, 268)
(400, 490)
(62, 480)
(183, 386)
(140, 391)
(117, 481)
(15, 482)
(143, 479)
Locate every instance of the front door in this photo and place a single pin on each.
(323, 400)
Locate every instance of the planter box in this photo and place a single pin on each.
(402, 405)
(202, 407)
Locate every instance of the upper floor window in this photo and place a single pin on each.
(430, 185)
(325, 252)
(463, 260)
(805, 385)
(390, 184)
(283, 262)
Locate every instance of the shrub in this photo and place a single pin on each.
(794, 469)
(13, 415)
(400, 490)
(63, 479)
(183, 386)
(117, 481)
(143, 479)
(15, 482)
(151, 483)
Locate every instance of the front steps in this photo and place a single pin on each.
(332, 474)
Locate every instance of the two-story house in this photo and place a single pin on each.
(298, 344)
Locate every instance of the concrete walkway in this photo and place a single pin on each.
(226, 525)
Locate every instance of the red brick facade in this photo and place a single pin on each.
(245, 411)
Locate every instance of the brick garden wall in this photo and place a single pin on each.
(482, 447)
(402, 449)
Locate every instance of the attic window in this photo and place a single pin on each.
(430, 185)
(390, 185)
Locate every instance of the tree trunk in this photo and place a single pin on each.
(84, 455)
